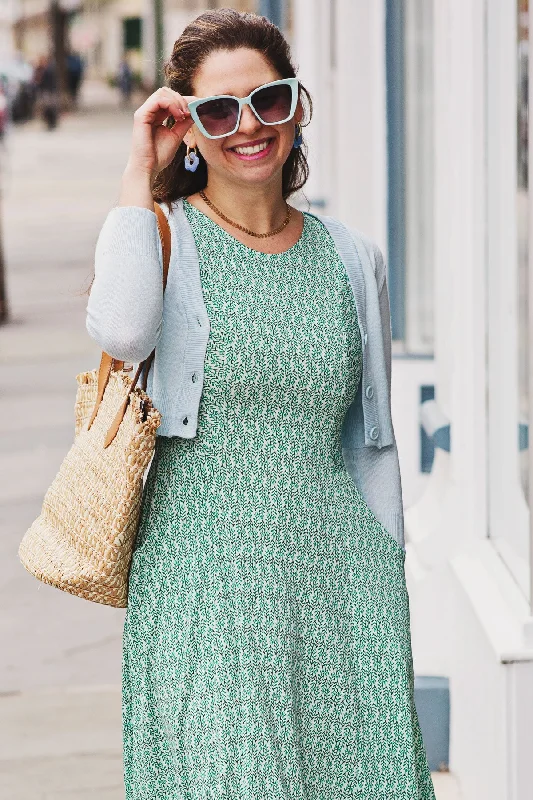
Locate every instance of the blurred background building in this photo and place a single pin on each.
(420, 139)
(103, 31)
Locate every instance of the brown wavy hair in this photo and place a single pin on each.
(226, 29)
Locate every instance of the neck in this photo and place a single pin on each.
(260, 208)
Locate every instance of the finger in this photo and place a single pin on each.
(186, 98)
(180, 99)
(167, 93)
(158, 117)
(157, 109)
(181, 127)
(183, 115)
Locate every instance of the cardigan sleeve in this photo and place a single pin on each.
(125, 306)
(384, 310)
(376, 471)
(385, 468)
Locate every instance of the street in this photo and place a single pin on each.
(57, 189)
(60, 673)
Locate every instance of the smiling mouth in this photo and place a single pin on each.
(249, 150)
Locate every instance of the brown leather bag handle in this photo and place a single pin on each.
(108, 363)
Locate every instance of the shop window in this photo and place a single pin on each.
(410, 92)
(132, 33)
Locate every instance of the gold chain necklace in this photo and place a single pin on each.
(241, 227)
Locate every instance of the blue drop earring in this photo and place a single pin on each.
(191, 160)
(298, 138)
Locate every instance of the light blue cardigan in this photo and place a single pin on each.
(128, 315)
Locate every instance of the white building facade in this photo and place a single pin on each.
(7, 40)
(419, 138)
(106, 30)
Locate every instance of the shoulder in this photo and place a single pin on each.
(175, 206)
(374, 253)
(366, 246)
(176, 218)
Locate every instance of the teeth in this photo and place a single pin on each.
(248, 151)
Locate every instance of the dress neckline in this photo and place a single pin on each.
(294, 246)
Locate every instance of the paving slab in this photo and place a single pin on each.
(61, 743)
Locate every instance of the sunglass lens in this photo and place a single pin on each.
(273, 103)
(218, 116)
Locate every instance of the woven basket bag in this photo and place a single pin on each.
(82, 541)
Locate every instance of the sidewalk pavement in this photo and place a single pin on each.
(57, 188)
(99, 96)
(61, 744)
(61, 734)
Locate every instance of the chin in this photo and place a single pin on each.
(260, 173)
(259, 178)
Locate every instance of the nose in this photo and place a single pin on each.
(249, 122)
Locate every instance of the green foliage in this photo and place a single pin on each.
(137, 79)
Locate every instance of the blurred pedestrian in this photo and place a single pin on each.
(3, 108)
(125, 80)
(46, 85)
(75, 68)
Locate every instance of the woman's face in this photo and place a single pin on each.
(238, 72)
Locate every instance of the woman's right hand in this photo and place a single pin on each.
(153, 145)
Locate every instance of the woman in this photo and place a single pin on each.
(267, 647)
(125, 80)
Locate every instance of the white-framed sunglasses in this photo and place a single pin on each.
(271, 103)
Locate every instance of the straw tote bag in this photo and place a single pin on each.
(82, 541)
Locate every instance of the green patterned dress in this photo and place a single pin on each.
(266, 648)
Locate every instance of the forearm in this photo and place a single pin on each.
(136, 189)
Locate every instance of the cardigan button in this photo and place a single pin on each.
(194, 377)
(369, 392)
(185, 420)
(374, 433)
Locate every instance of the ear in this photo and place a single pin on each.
(189, 139)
